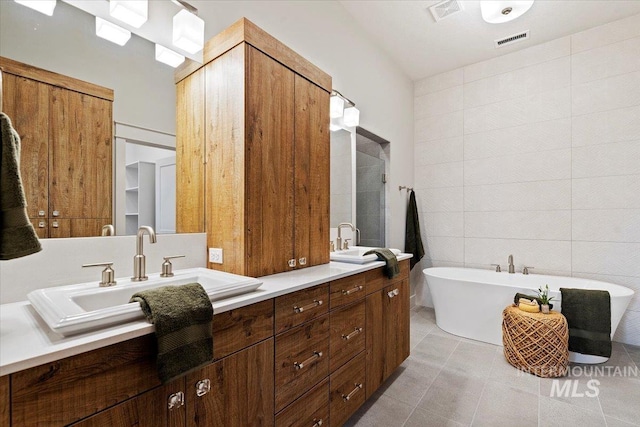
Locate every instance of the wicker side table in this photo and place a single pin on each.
(536, 343)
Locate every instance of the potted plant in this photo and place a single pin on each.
(543, 295)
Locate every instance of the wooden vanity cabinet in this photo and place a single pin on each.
(253, 153)
(66, 127)
(5, 401)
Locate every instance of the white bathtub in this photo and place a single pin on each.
(469, 302)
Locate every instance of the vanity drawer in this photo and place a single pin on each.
(302, 359)
(346, 290)
(311, 409)
(240, 328)
(347, 386)
(298, 307)
(377, 279)
(347, 334)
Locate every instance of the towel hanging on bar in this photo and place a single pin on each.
(413, 240)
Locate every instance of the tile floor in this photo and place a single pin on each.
(453, 381)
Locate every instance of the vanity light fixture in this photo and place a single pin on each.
(112, 32)
(188, 31)
(42, 6)
(351, 116)
(167, 56)
(343, 109)
(132, 12)
(500, 11)
(336, 106)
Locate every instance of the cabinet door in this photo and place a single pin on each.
(269, 164)
(311, 156)
(5, 402)
(26, 102)
(150, 409)
(234, 391)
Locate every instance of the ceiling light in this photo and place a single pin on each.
(112, 32)
(351, 116)
(336, 106)
(499, 11)
(167, 56)
(132, 12)
(188, 31)
(42, 6)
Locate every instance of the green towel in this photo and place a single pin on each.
(392, 268)
(182, 316)
(412, 239)
(588, 314)
(17, 236)
(518, 295)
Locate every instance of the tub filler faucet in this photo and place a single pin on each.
(512, 268)
(139, 262)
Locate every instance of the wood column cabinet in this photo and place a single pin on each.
(66, 127)
(253, 153)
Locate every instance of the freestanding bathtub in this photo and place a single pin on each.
(469, 302)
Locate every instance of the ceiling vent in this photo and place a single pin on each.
(512, 39)
(445, 8)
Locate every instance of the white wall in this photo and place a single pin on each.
(537, 154)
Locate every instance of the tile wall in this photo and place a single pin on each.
(537, 154)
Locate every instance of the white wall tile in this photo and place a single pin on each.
(617, 125)
(530, 109)
(621, 158)
(439, 127)
(541, 195)
(439, 248)
(606, 61)
(439, 175)
(606, 225)
(542, 254)
(449, 224)
(612, 192)
(439, 199)
(438, 82)
(519, 59)
(535, 137)
(438, 151)
(547, 76)
(533, 225)
(543, 166)
(606, 34)
(629, 282)
(620, 259)
(437, 103)
(606, 94)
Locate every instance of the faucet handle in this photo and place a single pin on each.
(108, 273)
(345, 245)
(332, 246)
(498, 268)
(167, 266)
(525, 269)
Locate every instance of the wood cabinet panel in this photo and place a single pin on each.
(347, 336)
(236, 329)
(377, 279)
(5, 401)
(65, 227)
(41, 225)
(298, 307)
(150, 409)
(302, 359)
(346, 290)
(241, 392)
(311, 409)
(347, 390)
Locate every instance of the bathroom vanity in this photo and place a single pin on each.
(308, 348)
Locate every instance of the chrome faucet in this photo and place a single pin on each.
(339, 245)
(512, 268)
(108, 230)
(139, 263)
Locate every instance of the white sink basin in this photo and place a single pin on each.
(84, 307)
(356, 255)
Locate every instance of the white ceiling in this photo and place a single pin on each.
(421, 47)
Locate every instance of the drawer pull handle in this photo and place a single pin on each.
(314, 304)
(300, 365)
(203, 387)
(355, 332)
(353, 291)
(393, 293)
(302, 261)
(317, 423)
(347, 397)
(176, 400)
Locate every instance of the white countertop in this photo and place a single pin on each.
(26, 341)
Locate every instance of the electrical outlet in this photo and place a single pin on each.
(215, 255)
